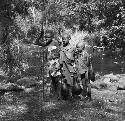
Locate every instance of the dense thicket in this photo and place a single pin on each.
(22, 21)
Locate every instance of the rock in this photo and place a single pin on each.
(121, 84)
(28, 82)
(10, 87)
(107, 80)
(110, 82)
(121, 87)
(122, 79)
(112, 88)
(103, 86)
(28, 90)
(113, 78)
(95, 86)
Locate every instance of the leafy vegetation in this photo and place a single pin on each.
(22, 21)
(101, 22)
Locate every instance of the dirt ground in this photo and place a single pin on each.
(108, 104)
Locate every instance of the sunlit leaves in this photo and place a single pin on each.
(23, 24)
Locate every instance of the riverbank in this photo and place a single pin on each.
(112, 82)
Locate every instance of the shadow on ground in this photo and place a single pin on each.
(108, 104)
(31, 107)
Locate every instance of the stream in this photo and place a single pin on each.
(109, 62)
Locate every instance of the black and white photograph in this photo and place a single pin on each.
(62, 60)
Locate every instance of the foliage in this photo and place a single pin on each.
(102, 21)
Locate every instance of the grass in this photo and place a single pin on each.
(31, 106)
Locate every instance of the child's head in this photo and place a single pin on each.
(80, 46)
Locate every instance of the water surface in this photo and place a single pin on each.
(109, 62)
